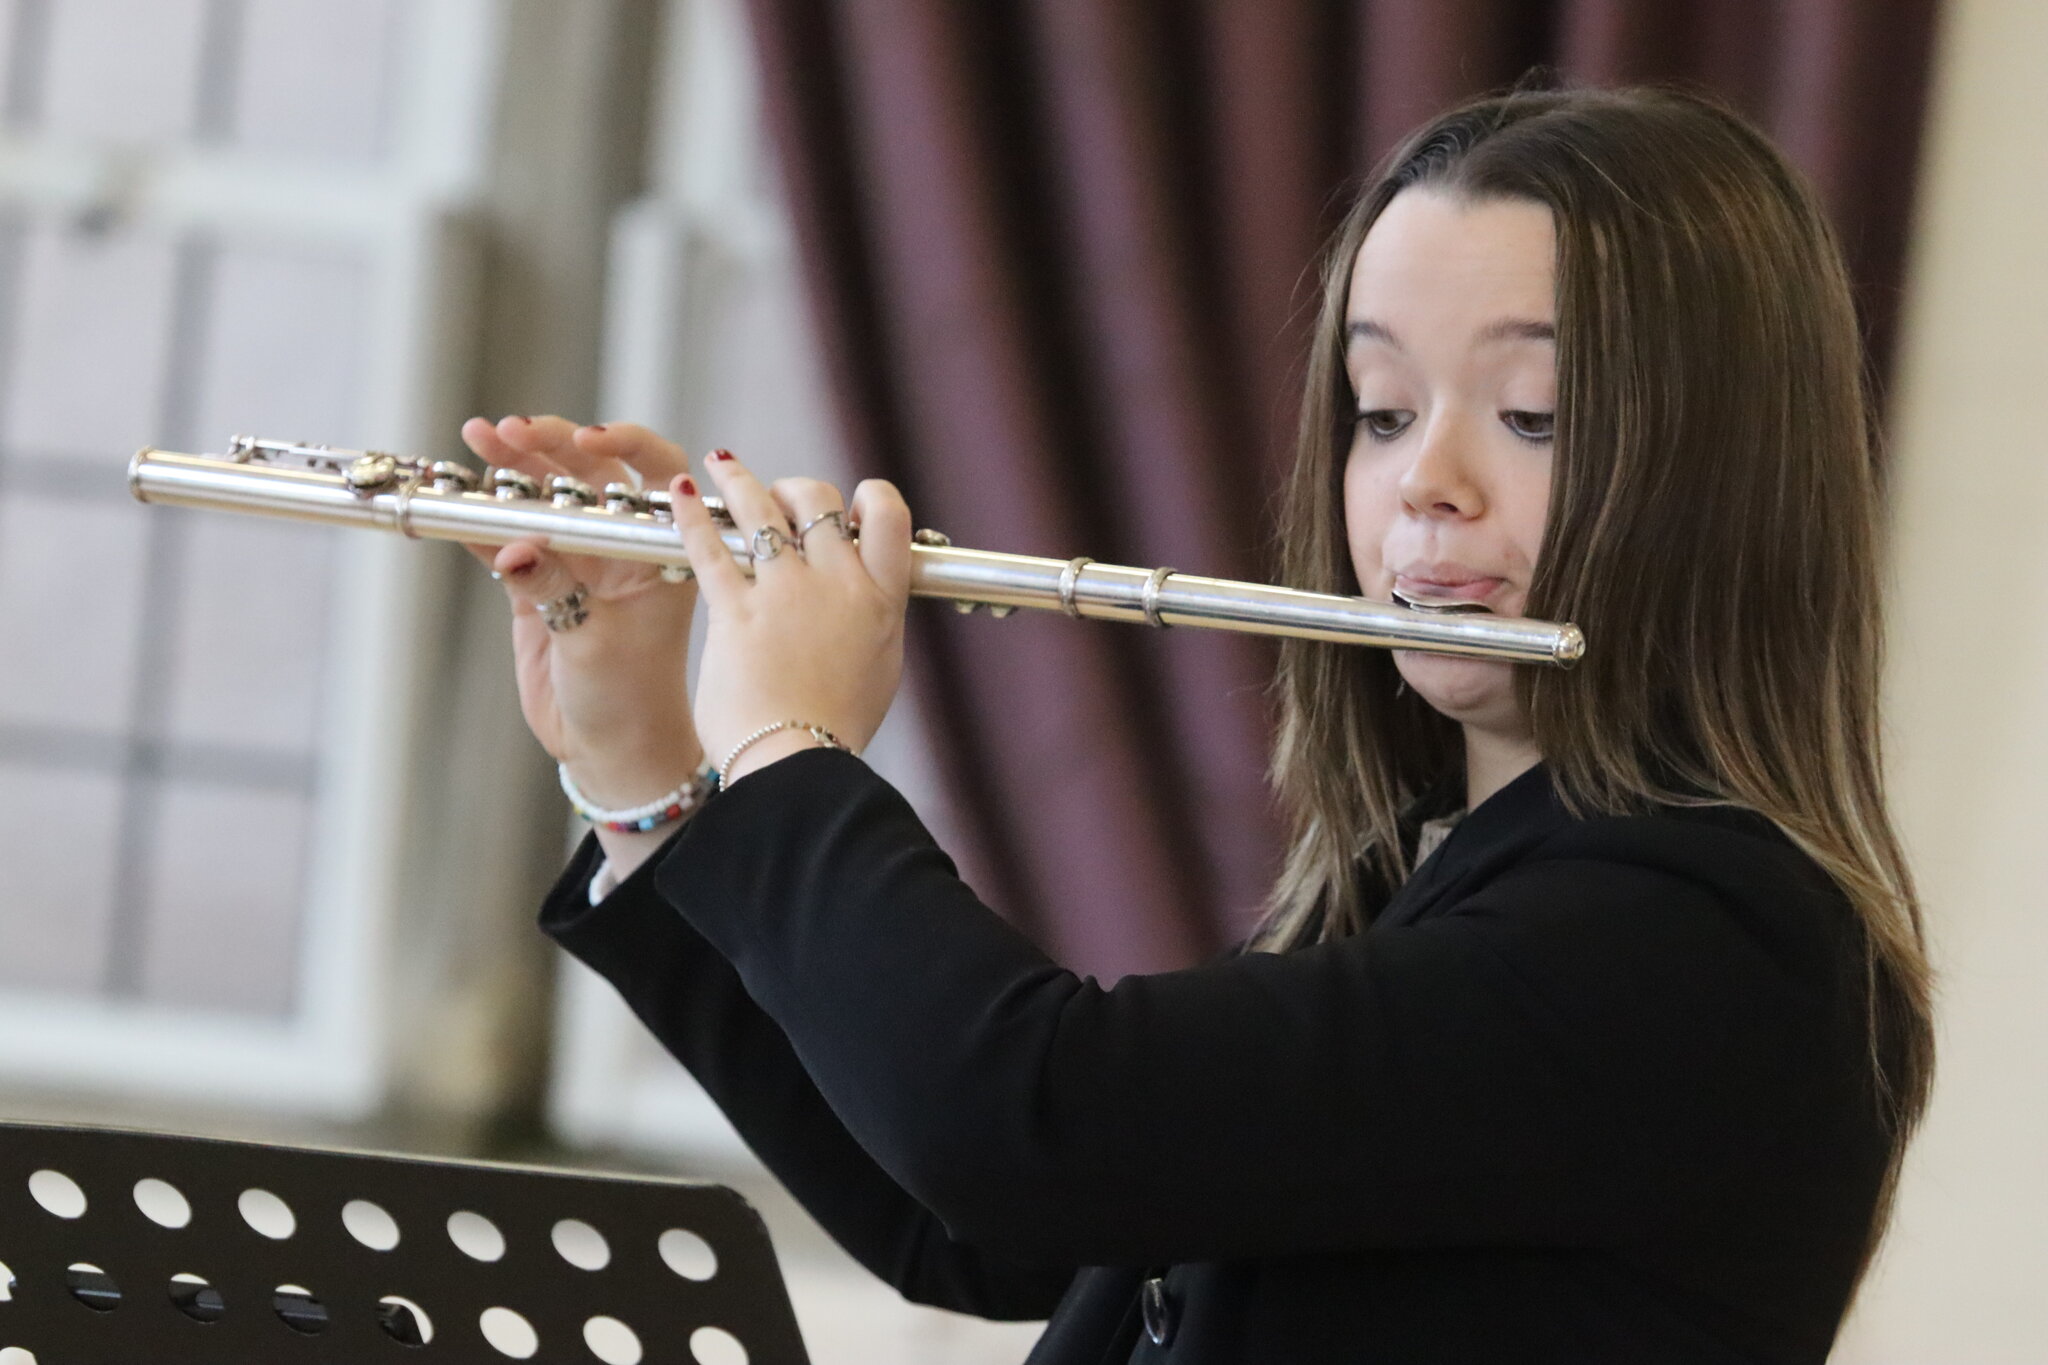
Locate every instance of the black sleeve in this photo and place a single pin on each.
(692, 1000)
(1581, 1047)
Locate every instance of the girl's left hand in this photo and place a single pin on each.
(817, 636)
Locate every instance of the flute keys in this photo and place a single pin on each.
(509, 485)
(564, 491)
(371, 473)
(623, 497)
(447, 476)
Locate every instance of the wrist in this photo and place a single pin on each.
(629, 777)
(767, 750)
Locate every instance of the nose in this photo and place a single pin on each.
(1438, 481)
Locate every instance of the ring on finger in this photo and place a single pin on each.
(837, 516)
(566, 612)
(767, 542)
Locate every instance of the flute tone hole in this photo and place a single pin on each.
(296, 1307)
(268, 1215)
(93, 1287)
(612, 1341)
(716, 1346)
(404, 1321)
(688, 1255)
(58, 1194)
(509, 1333)
(369, 1224)
(162, 1203)
(197, 1299)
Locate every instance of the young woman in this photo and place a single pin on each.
(1590, 1015)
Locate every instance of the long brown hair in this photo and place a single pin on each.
(1714, 526)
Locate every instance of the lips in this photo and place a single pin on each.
(1445, 582)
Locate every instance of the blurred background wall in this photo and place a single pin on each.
(270, 831)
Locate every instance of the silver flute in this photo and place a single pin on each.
(446, 500)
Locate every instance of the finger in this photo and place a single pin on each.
(487, 441)
(718, 573)
(656, 459)
(804, 502)
(532, 574)
(749, 502)
(884, 521)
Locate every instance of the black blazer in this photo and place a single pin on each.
(1588, 1090)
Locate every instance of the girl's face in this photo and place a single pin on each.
(1451, 348)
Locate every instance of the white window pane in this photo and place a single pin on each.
(226, 869)
(126, 70)
(314, 77)
(89, 345)
(284, 345)
(250, 648)
(58, 833)
(71, 575)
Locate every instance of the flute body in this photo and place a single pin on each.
(447, 501)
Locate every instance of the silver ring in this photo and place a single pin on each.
(404, 509)
(837, 516)
(1070, 578)
(1149, 599)
(566, 612)
(767, 542)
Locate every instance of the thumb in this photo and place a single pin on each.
(532, 574)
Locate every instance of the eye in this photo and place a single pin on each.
(1384, 424)
(1535, 427)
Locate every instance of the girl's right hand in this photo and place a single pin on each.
(608, 698)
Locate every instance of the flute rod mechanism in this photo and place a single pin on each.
(447, 501)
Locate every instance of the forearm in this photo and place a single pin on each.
(694, 1003)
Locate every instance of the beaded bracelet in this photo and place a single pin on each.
(679, 804)
(817, 732)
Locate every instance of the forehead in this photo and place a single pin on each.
(1443, 258)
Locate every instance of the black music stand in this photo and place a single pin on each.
(131, 1248)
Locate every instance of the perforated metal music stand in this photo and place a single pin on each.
(130, 1248)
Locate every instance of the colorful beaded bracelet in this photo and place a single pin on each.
(679, 804)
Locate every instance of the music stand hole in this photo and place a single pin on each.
(581, 1245)
(93, 1287)
(296, 1307)
(370, 1224)
(689, 1255)
(162, 1203)
(197, 1299)
(6, 1288)
(267, 1214)
(476, 1236)
(404, 1321)
(17, 1355)
(716, 1346)
(58, 1193)
(612, 1341)
(509, 1333)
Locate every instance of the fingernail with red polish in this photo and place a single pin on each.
(521, 570)
(689, 487)
(595, 426)
(721, 454)
(527, 420)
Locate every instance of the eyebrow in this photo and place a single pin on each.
(1506, 329)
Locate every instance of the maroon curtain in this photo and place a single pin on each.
(1060, 254)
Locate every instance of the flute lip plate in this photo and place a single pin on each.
(1440, 607)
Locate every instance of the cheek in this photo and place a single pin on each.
(1370, 503)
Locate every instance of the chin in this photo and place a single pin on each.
(1470, 691)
